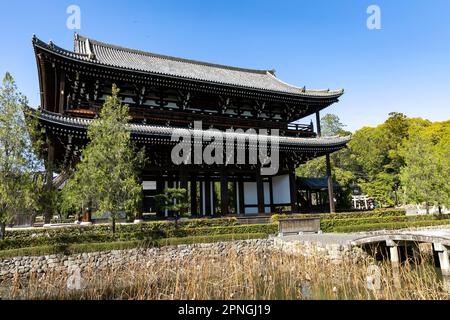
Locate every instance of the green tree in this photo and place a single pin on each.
(174, 200)
(331, 125)
(19, 167)
(379, 160)
(426, 176)
(106, 177)
(342, 165)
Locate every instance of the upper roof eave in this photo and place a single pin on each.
(291, 91)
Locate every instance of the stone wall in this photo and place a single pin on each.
(121, 258)
(22, 266)
(334, 252)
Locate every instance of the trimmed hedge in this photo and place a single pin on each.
(329, 225)
(122, 245)
(155, 228)
(378, 213)
(390, 225)
(148, 232)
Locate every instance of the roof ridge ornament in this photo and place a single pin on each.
(89, 52)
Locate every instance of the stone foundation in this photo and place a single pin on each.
(22, 266)
(333, 252)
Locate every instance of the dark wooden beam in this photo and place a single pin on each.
(224, 197)
(194, 207)
(330, 185)
(241, 196)
(293, 188)
(319, 130)
(260, 192)
(183, 183)
(272, 207)
(207, 196)
(62, 88)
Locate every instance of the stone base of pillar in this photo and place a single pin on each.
(394, 255)
(444, 260)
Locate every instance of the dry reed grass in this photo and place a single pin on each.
(256, 275)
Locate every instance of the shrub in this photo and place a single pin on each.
(122, 245)
(145, 231)
(391, 225)
(155, 228)
(345, 215)
(238, 229)
(329, 225)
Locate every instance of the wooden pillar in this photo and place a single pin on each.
(213, 198)
(207, 196)
(272, 207)
(49, 180)
(224, 199)
(260, 192)
(62, 88)
(241, 202)
(166, 186)
(319, 130)
(293, 188)
(202, 198)
(194, 209)
(330, 185)
(235, 197)
(184, 185)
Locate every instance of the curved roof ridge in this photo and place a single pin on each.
(91, 51)
(53, 46)
(303, 89)
(167, 57)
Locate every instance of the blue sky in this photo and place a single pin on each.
(403, 67)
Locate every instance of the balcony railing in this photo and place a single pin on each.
(183, 119)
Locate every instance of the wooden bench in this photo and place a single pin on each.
(298, 226)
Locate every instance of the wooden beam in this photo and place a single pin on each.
(260, 192)
(224, 199)
(272, 207)
(62, 88)
(293, 188)
(330, 185)
(194, 209)
(241, 203)
(207, 196)
(319, 130)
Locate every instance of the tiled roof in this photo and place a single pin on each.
(167, 131)
(96, 52)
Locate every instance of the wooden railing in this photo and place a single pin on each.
(186, 119)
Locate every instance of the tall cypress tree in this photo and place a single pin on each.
(106, 177)
(19, 167)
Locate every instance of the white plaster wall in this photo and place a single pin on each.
(250, 197)
(281, 189)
